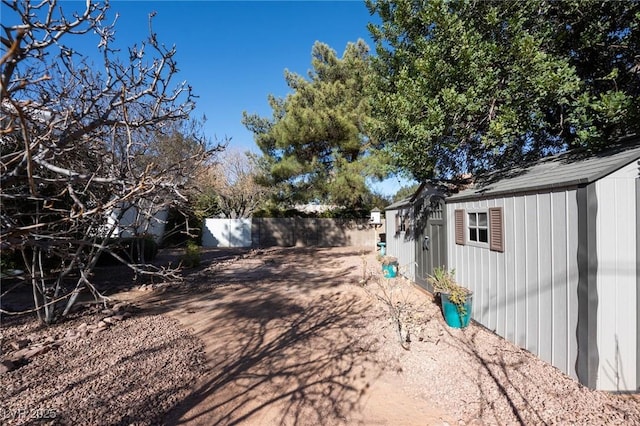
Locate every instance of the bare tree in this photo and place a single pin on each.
(79, 146)
(232, 181)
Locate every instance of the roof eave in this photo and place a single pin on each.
(480, 195)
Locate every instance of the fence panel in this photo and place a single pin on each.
(226, 233)
(288, 232)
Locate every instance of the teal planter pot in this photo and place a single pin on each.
(390, 270)
(452, 317)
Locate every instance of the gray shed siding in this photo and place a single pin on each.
(527, 293)
(401, 245)
(617, 276)
(423, 219)
(567, 286)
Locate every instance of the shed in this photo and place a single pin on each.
(416, 232)
(552, 254)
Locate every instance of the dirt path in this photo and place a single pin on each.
(286, 342)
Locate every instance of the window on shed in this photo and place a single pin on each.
(483, 228)
(401, 221)
(478, 227)
(435, 209)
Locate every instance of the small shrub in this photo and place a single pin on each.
(191, 256)
(443, 281)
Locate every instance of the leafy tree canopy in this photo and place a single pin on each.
(315, 146)
(466, 86)
(405, 192)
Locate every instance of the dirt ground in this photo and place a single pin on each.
(292, 336)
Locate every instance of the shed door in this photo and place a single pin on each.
(431, 241)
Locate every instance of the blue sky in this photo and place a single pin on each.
(234, 53)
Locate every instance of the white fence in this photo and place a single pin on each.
(226, 233)
(289, 232)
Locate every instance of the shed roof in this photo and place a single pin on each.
(426, 187)
(402, 203)
(569, 169)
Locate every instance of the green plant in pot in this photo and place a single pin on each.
(455, 299)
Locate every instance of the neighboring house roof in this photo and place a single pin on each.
(569, 169)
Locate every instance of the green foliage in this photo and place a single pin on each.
(273, 211)
(316, 146)
(470, 86)
(192, 255)
(206, 204)
(443, 281)
(346, 213)
(405, 192)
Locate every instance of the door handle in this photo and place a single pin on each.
(426, 243)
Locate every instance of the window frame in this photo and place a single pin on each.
(495, 228)
(477, 227)
(401, 220)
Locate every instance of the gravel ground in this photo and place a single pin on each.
(480, 378)
(130, 373)
(139, 368)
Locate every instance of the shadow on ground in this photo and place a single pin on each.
(281, 338)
